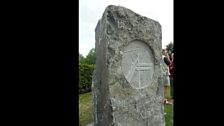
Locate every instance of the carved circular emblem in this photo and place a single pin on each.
(138, 64)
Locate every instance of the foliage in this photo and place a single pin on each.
(169, 47)
(85, 77)
(81, 59)
(91, 57)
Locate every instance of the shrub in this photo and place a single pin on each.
(85, 77)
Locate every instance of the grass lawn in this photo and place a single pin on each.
(86, 108)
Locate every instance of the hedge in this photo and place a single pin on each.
(85, 77)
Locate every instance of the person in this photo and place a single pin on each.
(170, 56)
(171, 68)
(165, 57)
(165, 71)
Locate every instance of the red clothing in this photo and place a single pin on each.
(171, 68)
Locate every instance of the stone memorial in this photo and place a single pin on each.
(127, 80)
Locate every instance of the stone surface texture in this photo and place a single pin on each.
(127, 80)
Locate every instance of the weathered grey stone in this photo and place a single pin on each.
(127, 84)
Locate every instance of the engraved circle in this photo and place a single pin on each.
(138, 64)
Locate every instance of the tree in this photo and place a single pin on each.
(81, 59)
(169, 47)
(91, 57)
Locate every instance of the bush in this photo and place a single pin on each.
(85, 77)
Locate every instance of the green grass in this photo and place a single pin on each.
(168, 92)
(169, 115)
(86, 108)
